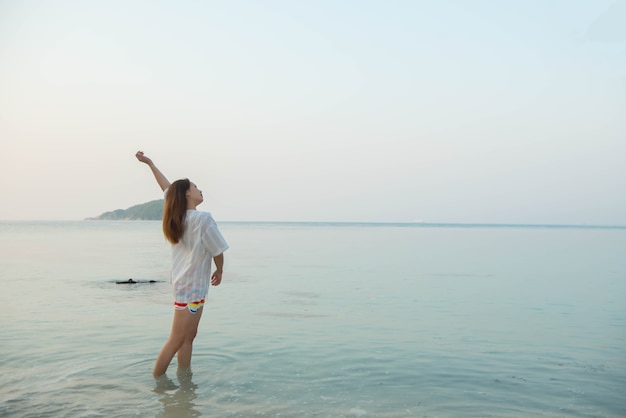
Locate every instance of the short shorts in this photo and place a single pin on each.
(192, 306)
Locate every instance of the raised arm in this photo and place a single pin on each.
(160, 178)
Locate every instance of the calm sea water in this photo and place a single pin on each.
(318, 320)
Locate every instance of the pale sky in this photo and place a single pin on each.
(471, 111)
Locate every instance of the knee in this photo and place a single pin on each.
(191, 335)
(177, 340)
(186, 337)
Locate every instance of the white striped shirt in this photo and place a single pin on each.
(192, 257)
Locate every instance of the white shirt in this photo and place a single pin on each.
(192, 257)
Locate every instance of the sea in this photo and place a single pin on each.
(318, 320)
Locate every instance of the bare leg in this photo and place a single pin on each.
(184, 352)
(184, 330)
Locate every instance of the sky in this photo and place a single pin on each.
(460, 111)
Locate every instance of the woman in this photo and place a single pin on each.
(195, 241)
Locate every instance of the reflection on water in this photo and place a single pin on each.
(178, 400)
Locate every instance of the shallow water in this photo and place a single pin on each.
(323, 320)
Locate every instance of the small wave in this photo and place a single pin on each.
(291, 315)
(302, 294)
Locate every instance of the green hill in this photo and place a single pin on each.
(150, 211)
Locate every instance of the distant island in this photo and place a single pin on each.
(150, 211)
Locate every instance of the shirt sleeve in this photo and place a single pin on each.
(212, 239)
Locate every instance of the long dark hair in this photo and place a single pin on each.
(175, 210)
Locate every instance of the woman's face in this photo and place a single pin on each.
(194, 195)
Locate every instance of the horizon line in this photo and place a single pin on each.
(347, 223)
(434, 224)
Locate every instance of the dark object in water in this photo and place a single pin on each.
(131, 281)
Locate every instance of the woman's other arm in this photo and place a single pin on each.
(216, 278)
(160, 178)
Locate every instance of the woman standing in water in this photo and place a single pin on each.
(196, 241)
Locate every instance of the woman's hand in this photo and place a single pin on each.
(141, 157)
(160, 178)
(216, 279)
